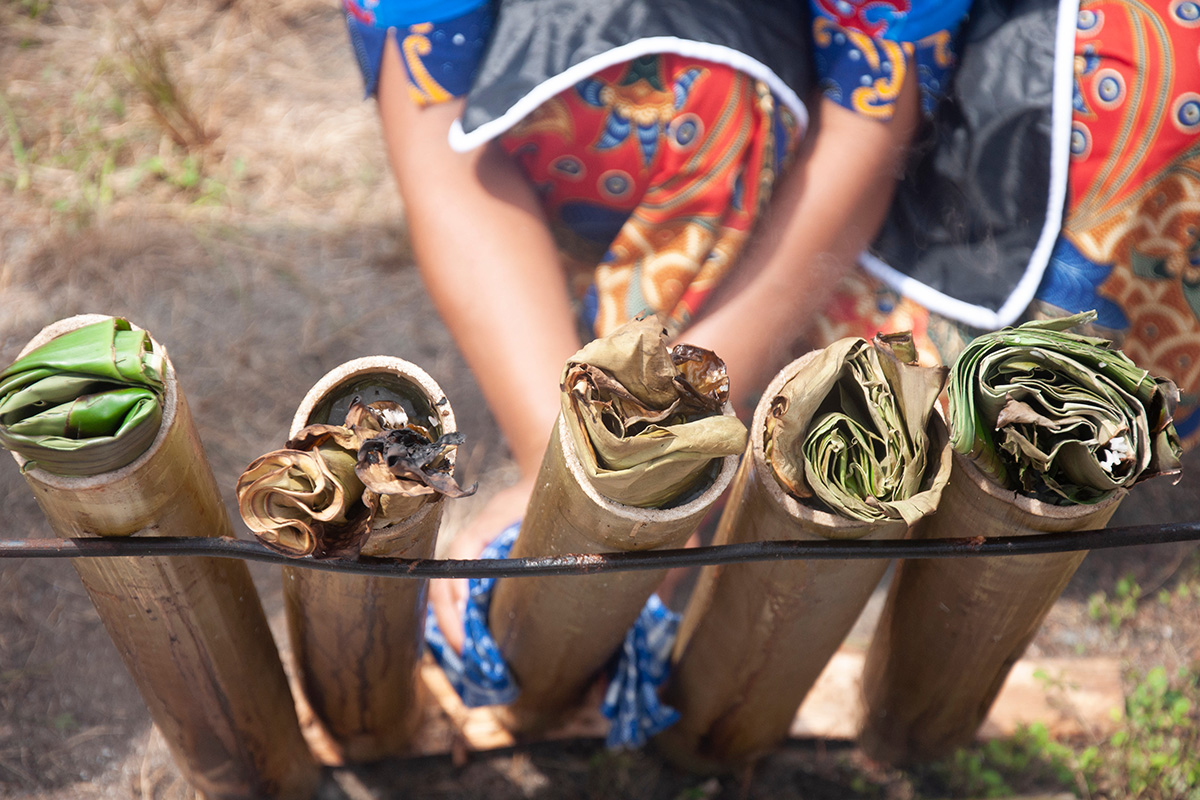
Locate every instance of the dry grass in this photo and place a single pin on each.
(209, 170)
(217, 110)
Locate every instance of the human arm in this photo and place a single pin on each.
(488, 262)
(827, 208)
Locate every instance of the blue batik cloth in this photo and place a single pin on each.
(479, 675)
(482, 678)
(631, 702)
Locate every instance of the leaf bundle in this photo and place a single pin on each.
(86, 402)
(333, 484)
(645, 419)
(1058, 416)
(849, 431)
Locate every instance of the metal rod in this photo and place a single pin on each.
(611, 562)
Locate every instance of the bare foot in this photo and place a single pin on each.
(448, 596)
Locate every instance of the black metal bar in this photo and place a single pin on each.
(611, 562)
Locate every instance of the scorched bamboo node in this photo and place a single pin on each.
(356, 639)
(785, 620)
(191, 631)
(557, 633)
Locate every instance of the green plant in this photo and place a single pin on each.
(15, 142)
(34, 8)
(1029, 761)
(703, 791)
(188, 175)
(1156, 754)
(143, 61)
(65, 723)
(1120, 608)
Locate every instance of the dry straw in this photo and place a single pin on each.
(755, 636)
(357, 639)
(1051, 429)
(190, 630)
(557, 633)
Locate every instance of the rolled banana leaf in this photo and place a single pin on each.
(646, 419)
(1061, 417)
(1050, 431)
(644, 445)
(191, 631)
(333, 484)
(86, 402)
(849, 432)
(384, 474)
(843, 445)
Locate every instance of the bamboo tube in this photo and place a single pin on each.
(557, 633)
(952, 629)
(191, 630)
(755, 636)
(357, 639)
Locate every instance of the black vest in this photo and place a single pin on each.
(980, 206)
(538, 48)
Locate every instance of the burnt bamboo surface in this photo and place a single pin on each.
(357, 639)
(951, 630)
(191, 631)
(556, 633)
(756, 636)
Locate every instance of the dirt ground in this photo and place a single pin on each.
(210, 171)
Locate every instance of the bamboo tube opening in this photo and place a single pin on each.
(191, 631)
(693, 501)
(108, 509)
(357, 640)
(951, 629)
(1052, 516)
(784, 620)
(376, 378)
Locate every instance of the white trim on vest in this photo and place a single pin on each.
(1022, 295)
(463, 141)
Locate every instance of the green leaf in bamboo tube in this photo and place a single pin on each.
(86, 402)
(1061, 417)
(647, 420)
(334, 484)
(849, 431)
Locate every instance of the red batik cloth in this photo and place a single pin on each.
(652, 173)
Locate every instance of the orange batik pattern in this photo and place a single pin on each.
(1130, 245)
(652, 174)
